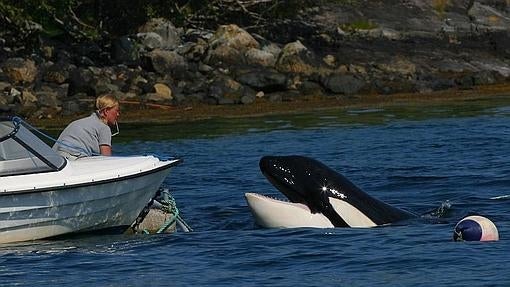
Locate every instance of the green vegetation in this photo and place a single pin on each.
(440, 6)
(358, 25)
(93, 20)
(75, 19)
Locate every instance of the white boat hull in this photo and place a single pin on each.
(42, 213)
(44, 195)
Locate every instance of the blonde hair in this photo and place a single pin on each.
(106, 101)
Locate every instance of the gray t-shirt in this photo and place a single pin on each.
(84, 136)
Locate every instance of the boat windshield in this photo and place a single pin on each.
(22, 152)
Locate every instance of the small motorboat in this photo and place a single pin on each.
(43, 195)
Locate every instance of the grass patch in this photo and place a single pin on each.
(358, 25)
(440, 6)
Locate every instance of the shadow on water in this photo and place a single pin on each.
(310, 120)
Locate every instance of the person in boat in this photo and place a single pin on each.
(91, 135)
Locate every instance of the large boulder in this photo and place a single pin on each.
(225, 55)
(343, 84)
(150, 41)
(225, 91)
(400, 66)
(266, 80)
(56, 73)
(229, 44)
(260, 57)
(81, 81)
(233, 36)
(20, 71)
(126, 50)
(295, 58)
(167, 63)
(168, 35)
(485, 16)
(163, 90)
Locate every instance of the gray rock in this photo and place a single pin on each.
(193, 51)
(81, 81)
(249, 96)
(260, 57)
(295, 58)
(150, 41)
(168, 63)
(56, 73)
(465, 82)
(70, 107)
(311, 88)
(226, 90)
(487, 17)
(168, 33)
(4, 104)
(247, 99)
(225, 55)
(485, 78)
(47, 99)
(103, 87)
(19, 70)
(275, 97)
(5, 91)
(343, 84)
(125, 50)
(264, 80)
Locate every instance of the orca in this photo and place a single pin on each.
(317, 196)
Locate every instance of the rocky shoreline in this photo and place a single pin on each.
(494, 94)
(337, 54)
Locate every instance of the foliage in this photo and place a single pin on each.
(440, 6)
(90, 20)
(26, 19)
(358, 25)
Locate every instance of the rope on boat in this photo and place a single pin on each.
(166, 203)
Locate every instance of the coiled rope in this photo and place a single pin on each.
(165, 202)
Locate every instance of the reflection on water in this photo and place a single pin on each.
(313, 119)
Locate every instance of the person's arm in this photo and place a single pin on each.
(105, 150)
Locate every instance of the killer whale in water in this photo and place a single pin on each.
(318, 197)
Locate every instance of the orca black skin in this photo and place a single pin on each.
(310, 182)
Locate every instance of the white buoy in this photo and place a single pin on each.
(475, 228)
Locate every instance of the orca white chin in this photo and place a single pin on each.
(272, 213)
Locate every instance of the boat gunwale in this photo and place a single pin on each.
(168, 165)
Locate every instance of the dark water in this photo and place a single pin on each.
(451, 157)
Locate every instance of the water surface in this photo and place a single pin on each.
(418, 159)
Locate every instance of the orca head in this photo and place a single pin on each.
(319, 191)
(307, 181)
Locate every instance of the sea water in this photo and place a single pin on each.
(441, 162)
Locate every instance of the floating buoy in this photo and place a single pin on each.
(475, 228)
